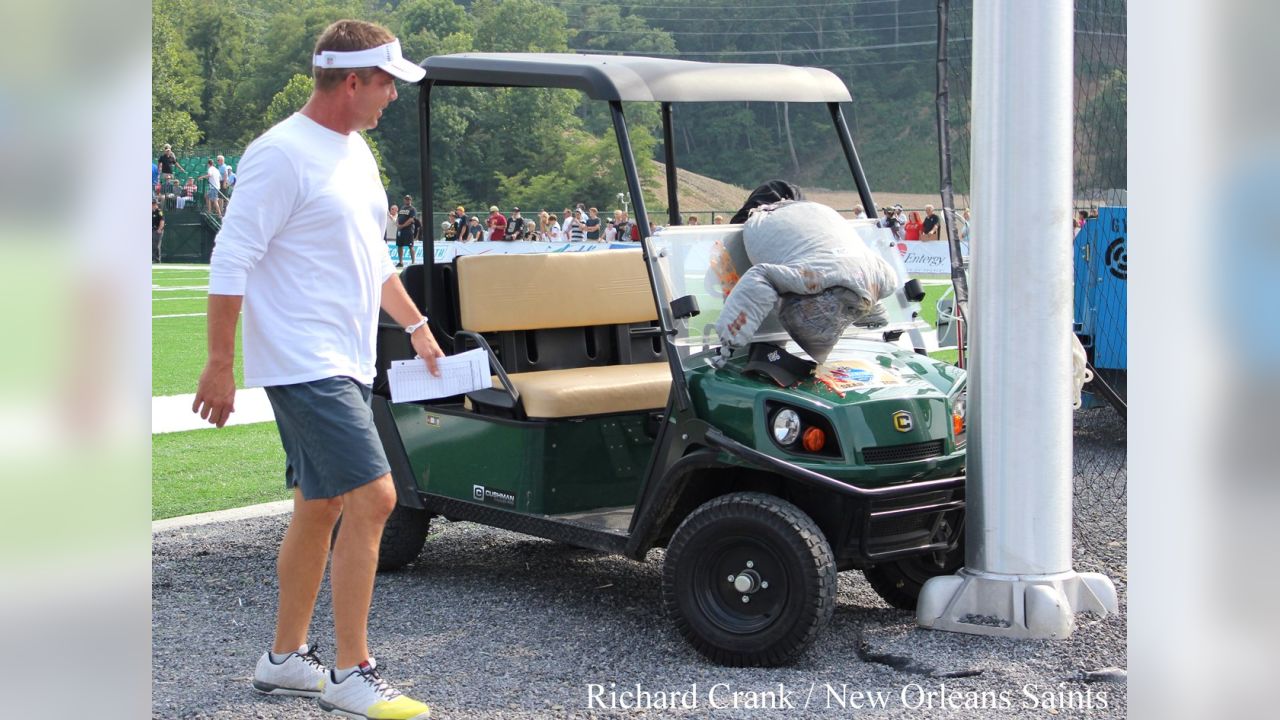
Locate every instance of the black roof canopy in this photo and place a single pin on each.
(641, 79)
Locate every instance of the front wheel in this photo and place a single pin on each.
(749, 580)
(898, 582)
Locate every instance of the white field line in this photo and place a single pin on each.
(177, 266)
(159, 288)
(172, 413)
(194, 297)
(162, 317)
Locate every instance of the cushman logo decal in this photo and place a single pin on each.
(902, 421)
(480, 493)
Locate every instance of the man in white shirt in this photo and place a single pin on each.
(302, 250)
(214, 178)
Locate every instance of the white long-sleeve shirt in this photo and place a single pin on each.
(303, 243)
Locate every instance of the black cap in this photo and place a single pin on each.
(779, 365)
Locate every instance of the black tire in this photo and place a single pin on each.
(403, 537)
(792, 593)
(898, 582)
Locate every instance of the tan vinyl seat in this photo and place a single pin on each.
(502, 293)
(593, 391)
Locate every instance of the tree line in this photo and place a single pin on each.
(225, 70)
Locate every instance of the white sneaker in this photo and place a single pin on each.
(363, 695)
(301, 674)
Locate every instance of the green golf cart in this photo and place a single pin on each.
(615, 423)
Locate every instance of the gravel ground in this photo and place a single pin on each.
(491, 624)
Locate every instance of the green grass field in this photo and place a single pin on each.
(178, 347)
(203, 470)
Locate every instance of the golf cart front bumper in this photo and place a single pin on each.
(882, 523)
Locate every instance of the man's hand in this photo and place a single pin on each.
(216, 394)
(424, 343)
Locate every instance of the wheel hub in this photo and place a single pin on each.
(748, 582)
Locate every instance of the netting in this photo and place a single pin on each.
(1101, 260)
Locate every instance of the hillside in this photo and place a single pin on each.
(699, 193)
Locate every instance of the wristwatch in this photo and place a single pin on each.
(414, 327)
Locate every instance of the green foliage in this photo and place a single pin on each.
(177, 89)
(289, 100)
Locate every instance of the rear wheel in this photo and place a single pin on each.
(898, 582)
(402, 537)
(749, 580)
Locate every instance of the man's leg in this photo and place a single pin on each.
(300, 567)
(355, 561)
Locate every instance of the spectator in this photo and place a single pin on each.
(577, 229)
(186, 194)
(392, 228)
(892, 221)
(693, 220)
(157, 230)
(623, 227)
(911, 230)
(211, 204)
(593, 225)
(1080, 222)
(168, 161)
(458, 218)
(930, 229)
(717, 220)
(155, 178)
(405, 231)
(497, 225)
(963, 230)
(224, 185)
(549, 229)
(447, 231)
(474, 231)
(516, 225)
(859, 212)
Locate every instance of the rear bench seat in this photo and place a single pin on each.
(511, 293)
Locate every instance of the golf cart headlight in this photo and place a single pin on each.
(786, 426)
(958, 413)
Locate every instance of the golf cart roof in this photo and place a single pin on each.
(643, 79)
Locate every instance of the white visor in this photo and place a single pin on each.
(384, 57)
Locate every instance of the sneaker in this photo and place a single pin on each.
(301, 674)
(363, 695)
(400, 264)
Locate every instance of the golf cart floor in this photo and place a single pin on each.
(614, 520)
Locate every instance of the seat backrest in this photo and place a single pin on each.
(553, 290)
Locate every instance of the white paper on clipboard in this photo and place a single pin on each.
(459, 374)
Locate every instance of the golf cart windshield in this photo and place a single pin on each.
(695, 260)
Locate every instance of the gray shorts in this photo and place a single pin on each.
(330, 444)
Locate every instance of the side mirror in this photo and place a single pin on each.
(685, 307)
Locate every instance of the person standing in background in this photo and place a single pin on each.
(405, 231)
(393, 227)
(497, 224)
(593, 225)
(931, 228)
(911, 231)
(157, 230)
(516, 226)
